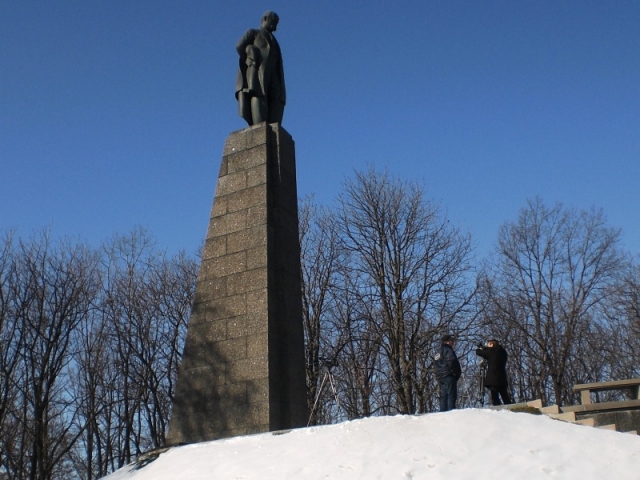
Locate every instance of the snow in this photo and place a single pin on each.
(461, 444)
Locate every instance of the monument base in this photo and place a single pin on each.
(242, 371)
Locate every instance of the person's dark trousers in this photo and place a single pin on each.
(448, 393)
(497, 392)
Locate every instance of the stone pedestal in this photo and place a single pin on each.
(242, 370)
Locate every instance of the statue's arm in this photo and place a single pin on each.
(246, 39)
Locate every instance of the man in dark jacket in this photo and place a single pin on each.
(496, 377)
(448, 372)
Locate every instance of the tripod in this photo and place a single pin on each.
(466, 397)
(328, 377)
(483, 366)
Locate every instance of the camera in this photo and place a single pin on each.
(327, 362)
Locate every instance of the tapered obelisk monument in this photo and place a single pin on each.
(243, 370)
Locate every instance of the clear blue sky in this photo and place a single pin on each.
(114, 113)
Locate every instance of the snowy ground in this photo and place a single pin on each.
(463, 444)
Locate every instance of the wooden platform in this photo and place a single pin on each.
(601, 406)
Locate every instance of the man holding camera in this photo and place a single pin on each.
(448, 372)
(496, 377)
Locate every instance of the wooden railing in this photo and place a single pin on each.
(586, 389)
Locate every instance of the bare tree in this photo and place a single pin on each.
(52, 292)
(94, 386)
(413, 275)
(89, 353)
(550, 278)
(11, 346)
(622, 337)
(319, 262)
(128, 352)
(146, 306)
(361, 391)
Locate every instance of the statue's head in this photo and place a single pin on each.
(270, 21)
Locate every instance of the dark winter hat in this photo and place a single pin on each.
(447, 338)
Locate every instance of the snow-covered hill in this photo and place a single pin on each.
(462, 444)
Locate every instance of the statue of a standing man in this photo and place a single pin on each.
(260, 82)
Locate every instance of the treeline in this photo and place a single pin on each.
(91, 338)
(386, 274)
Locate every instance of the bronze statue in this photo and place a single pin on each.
(260, 82)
